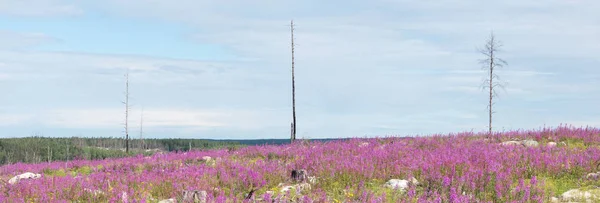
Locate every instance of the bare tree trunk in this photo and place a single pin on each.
(126, 111)
(293, 138)
(492, 62)
(142, 130)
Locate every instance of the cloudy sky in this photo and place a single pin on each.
(202, 69)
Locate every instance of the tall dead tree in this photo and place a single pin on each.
(142, 130)
(293, 136)
(126, 102)
(491, 63)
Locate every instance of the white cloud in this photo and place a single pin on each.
(184, 119)
(39, 8)
(13, 119)
(17, 40)
(356, 68)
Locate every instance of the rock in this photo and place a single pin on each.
(593, 176)
(592, 195)
(206, 158)
(94, 192)
(526, 143)
(551, 144)
(27, 175)
(400, 184)
(511, 143)
(299, 188)
(299, 175)
(530, 143)
(124, 197)
(554, 199)
(312, 180)
(168, 201)
(194, 196)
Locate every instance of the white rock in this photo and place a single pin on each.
(27, 175)
(168, 201)
(94, 192)
(593, 176)
(312, 180)
(551, 144)
(299, 187)
(195, 196)
(527, 143)
(511, 143)
(206, 158)
(530, 143)
(124, 197)
(592, 195)
(400, 183)
(554, 199)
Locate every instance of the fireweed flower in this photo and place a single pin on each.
(459, 167)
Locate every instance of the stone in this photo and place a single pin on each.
(124, 197)
(312, 180)
(551, 144)
(168, 201)
(526, 143)
(27, 175)
(298, 187)
(94, 192)
(530, 143)
(511, 143)
(400, 184)
(206, 158)
(194, 196)
(591, 195)
(593, 176)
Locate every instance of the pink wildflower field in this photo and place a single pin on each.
(460, 167)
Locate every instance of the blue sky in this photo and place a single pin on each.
(220, 70)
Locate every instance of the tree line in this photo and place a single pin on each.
(37, 149)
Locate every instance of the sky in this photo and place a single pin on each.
(222, 69)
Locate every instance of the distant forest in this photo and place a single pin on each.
(43, 149)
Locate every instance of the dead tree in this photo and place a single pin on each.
(126, 111)
(142, 130)
(293, 137)
(491, 63)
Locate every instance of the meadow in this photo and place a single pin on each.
(458, 167)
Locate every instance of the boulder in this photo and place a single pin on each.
(530, 143)
(511, 143)
(593, 176)
(94, 192)
(124, 197)
(27, 175)
(298, 187)
(400, 184)
(312, 180)
(168, 201)
(194, 196)
(590, 195)
(551, 144)
(526, 143)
